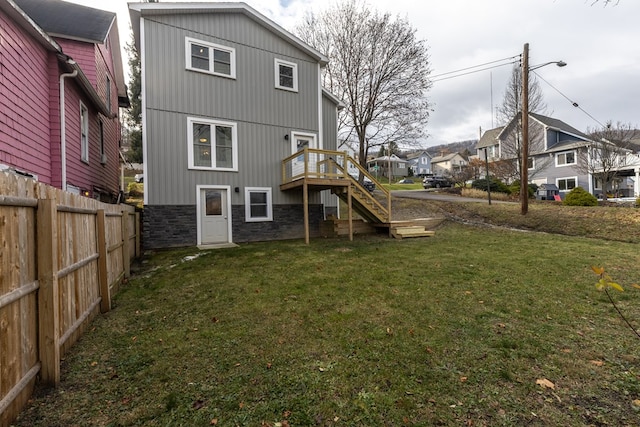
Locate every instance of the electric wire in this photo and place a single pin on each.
(575, 104)
(511, 58)
(470, 72)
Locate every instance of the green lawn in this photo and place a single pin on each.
(454, 330)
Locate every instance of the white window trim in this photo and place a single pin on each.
(575, 158)
(277, 63)
(564, 178)
(212, 46)
(210, 122)
(84, 128)
(247, 204)
(533, 164)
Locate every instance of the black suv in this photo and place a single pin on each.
(436, 182)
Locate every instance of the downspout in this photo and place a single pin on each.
(63, 131)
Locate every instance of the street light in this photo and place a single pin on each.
(524, 163)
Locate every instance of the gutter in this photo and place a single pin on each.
(63, 131)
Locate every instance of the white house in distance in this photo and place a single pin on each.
(448, 164)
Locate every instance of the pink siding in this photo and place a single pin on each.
(30, 111)
(24, 102)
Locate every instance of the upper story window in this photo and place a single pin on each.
(566, 158)
(531, 163)
(108, 94)
(210, 58)
(212, 144)
(286, 74)
(84, 133)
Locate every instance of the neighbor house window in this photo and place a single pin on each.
(210, 58)
(108, 94)
(531, 164)
(567, 184)
(566, 158)
(84, 133)
(103, 154)
(212, 144)
(286, 75)
(258, 205)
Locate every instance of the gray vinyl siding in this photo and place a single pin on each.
(261, 150)
(251, 96)
(263, 114)
(329, 124)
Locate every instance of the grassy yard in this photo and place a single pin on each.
(472, 327)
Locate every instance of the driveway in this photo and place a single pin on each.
(434, 195)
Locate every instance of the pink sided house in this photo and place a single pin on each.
(61, 86)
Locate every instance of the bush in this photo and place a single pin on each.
(496, 185)
(514, 188)
(580, 197)
(135, 190)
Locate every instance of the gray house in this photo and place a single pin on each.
(235, 124)
(557, 153)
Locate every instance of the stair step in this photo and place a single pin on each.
(411, 231)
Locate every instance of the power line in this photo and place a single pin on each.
(470, 72)
(575, 104)
(511, 59)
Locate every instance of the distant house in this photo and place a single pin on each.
(239, 137)
(557, 155)
(381, 166)
(419, 163)
(489, 146)
(61, 87)
(448, 164)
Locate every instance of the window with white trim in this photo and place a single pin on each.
(531, 163)
(84, 133)
(210, 58)
(212, 144)
(258, 205)
(286, 74)
(567, 184)
(566, 158)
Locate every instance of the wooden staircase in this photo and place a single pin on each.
(363, 202)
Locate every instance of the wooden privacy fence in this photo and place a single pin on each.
(62, 257)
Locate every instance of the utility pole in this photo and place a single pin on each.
(524, 163)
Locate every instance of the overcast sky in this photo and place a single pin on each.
(601, 46)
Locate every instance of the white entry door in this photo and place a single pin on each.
(214, 216)
(300, 141)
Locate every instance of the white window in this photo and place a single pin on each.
(210, 58)
(531, 163)
(286, 74)
(567, 184)
(423, 160)
(566, 158)
(401, 166)
(84, 133)
(212, 144)
(258, 205)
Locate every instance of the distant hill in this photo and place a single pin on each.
(454, 147)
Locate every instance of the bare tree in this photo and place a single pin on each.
(509, 113)
(608, 152)
(378, 68)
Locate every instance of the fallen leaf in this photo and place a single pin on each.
(388, 331)
(545, 383)
(198, 404)
(411, 332)
(268, 365)
(429, 350)
(215, 320)
(597, 362)
(463, 379)
(636, 403)
(286, 414)
(566, 350)
(501, 325)
(635, 285)
(241, 405)
(597, 270)
(285, 423)
(214, 422)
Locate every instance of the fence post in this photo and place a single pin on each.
(48, 301)
(126, 260)
(105, 304)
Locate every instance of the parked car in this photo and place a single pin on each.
(139, 178)
(405, 181)
(436, 182)
(366, 183)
